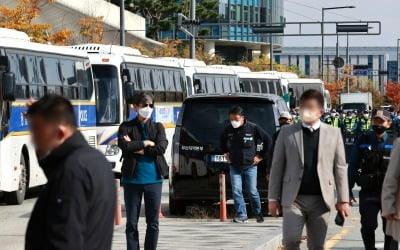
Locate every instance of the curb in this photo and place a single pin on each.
(270, 242)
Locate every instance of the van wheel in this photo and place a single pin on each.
(17, 197)
(177, 207)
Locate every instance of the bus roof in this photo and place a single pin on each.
(184, 62)
(212, 70)
(93, 48)
(14, 34)
(305, 80)
(236, 69)
(12, 43)
(257, 75)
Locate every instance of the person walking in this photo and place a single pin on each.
(305, 175)
(239, 144)
(143, 144)
(75, 210)
(391, 194)
(368, 165)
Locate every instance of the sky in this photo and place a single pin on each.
(385, 11)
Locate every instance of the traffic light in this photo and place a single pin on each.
(183, 20)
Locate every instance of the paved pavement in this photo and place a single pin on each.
(190, 233)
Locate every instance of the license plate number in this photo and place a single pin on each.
(218, 158)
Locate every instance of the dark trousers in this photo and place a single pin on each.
(133, 194)
(370, 206)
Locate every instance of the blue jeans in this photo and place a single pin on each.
(248, 179)
(133, 194)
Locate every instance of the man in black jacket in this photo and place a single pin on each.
(143, 144)
(239, 143)
(76, 208)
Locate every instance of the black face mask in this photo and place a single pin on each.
(378, 129)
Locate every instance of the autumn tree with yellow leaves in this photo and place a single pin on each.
(21, 18)
(23, 15)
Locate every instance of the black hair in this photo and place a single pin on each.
(54, 108)
(236, 111)
(143, 98)
(313, 94)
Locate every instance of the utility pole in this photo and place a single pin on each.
(348, 64)
(397, 56)
(271, 45)
(322, 34)
(122, 22)
(193, 31)
(337, 55)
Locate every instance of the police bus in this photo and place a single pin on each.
(116, 66)
(202, 78)
(300, 85)
(30, 70)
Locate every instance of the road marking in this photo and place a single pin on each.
(338, 237)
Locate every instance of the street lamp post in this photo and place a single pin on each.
(322, 33)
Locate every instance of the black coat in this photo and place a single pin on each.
(156, 133)
(241, 144)
(76, 208)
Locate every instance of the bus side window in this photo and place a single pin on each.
(264, 86)
(278, 87)
(18, 67)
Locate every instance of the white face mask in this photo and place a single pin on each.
(145, 112)
(236, 124)
(308, 116)
(366, 116)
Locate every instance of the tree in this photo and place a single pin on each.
(393, 93)
(91, 29)
(22, 16)
(161, 14)
(180, 49)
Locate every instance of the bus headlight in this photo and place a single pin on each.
(112, 149)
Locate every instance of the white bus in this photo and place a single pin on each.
(298, 86)
(113, 68)
(30, 70)
(202, 78)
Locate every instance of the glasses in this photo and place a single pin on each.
(144, 105)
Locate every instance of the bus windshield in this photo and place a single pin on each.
(107, 94)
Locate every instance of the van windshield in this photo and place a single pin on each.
(205, 121)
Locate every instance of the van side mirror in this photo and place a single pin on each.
(129, 91)
(8, 86)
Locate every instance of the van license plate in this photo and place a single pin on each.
(218, 158)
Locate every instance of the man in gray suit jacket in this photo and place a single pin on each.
(308, 166)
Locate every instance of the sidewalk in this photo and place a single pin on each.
(189, 233)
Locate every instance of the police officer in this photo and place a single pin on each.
(332, 120)
(368, 164)
(239, 143)
(364, 123)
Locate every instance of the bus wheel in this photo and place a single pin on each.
(17, 197)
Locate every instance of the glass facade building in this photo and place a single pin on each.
(237, 17)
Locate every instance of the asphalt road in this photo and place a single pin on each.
(192, 233)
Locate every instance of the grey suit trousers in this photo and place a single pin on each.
(308, 210)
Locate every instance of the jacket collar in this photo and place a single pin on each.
(50, 162)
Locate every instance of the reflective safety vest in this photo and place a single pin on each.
(350, 123)
(365, 124)
(332, 121)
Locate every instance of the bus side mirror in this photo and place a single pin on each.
(8, 86)
(129, 92)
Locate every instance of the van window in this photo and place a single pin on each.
(205, 120)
